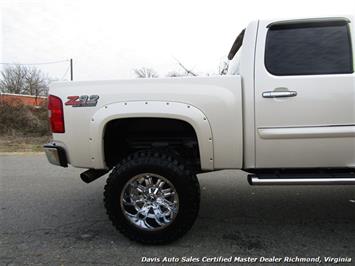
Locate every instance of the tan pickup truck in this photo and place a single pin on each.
(284, 113)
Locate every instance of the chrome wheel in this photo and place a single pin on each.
(149, 201)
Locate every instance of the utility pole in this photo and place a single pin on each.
(71, 69)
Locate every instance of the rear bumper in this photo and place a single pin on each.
(56, 155)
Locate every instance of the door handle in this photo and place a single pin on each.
(279, 94)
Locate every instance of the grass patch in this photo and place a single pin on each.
(17, 119)
(22, 144)
(23, 128)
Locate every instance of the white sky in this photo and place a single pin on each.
(107, 39)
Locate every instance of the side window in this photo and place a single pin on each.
(309, 49)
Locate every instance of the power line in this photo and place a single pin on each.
(40, 63)
(65, 73)
(47, 63)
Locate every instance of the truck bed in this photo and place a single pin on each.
(217, 98)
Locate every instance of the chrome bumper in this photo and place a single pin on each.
(55, 155)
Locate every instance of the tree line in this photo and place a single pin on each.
(21, 79)
(146, 72)
(29, 80)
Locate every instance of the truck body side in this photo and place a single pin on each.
(236, 127)
(207, 104)
(285, 114)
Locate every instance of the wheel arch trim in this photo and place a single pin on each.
(150, 109)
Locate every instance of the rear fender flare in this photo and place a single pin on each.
(150, 109)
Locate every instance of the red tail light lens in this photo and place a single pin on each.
(55, 113)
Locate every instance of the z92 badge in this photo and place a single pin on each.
(82, 101)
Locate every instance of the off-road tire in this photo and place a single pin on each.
(172, 168)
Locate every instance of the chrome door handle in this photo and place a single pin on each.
(279, 94)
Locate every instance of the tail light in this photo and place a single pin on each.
(55, 114)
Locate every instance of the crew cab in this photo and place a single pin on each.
(284, 113)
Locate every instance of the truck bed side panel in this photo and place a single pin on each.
(219, 98)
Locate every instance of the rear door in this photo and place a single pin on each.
(304, 94)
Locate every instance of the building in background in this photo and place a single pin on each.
(14, 99)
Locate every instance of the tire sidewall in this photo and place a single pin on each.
(172, 171)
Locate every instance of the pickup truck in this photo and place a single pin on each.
(284, 113)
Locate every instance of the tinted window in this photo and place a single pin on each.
(308, 49)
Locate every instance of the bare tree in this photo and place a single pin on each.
(24, 80)
(145, 73)
(13, 79)
(37, 83)
(188, 71)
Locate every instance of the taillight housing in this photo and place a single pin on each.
(56, 114)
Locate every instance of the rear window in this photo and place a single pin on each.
(309, 49)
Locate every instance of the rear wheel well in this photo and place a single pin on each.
(127, 135)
